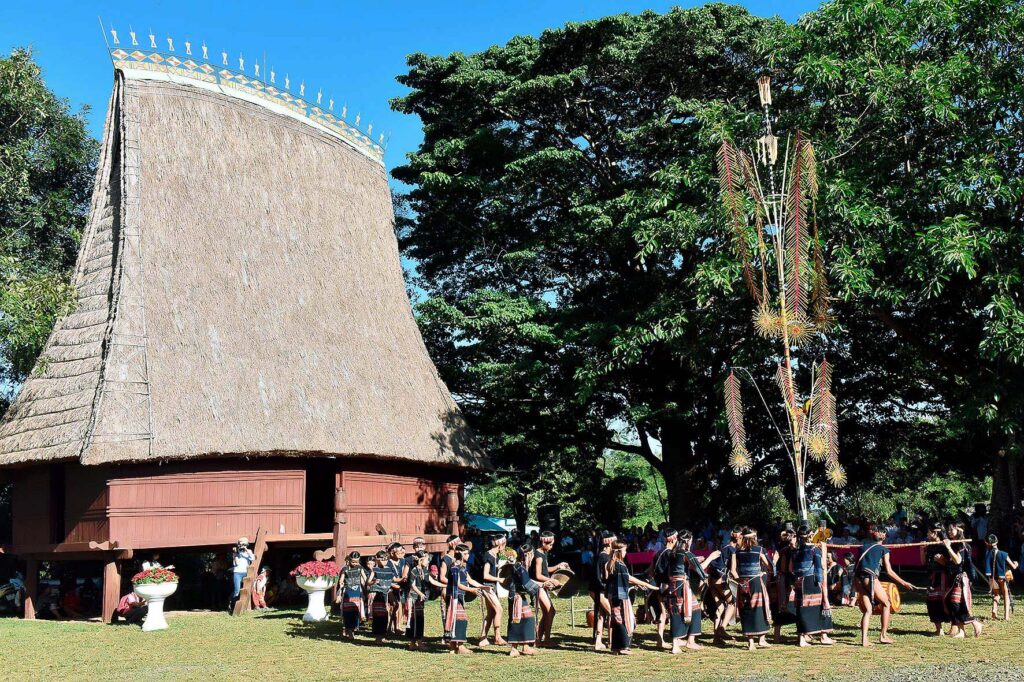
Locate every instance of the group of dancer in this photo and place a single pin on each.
(763, 591)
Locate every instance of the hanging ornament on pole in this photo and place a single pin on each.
(776, 209)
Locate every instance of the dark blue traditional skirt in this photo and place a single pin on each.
(937, 588)
(813, 615)
(683, 608)
(414, 619)
(958, 601)
(455, 621)
(379, 613)
(351, 610)
(752, 603)
(522, 624)
(623, 623)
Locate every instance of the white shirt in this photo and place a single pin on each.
(242, 560)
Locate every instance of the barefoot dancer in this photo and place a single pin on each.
(874, 556)
(660, 574)
(414, 595)
(807, 568)
(459, 583)
(618, 580)
(749, 567)
(491, 601)
(598, 589)
(443, 572)
(522, 624)
(785, 596)
(381, 577)
(958, 597)
(541, 573)
(996, 561)
(938, 578)
(722, 590)
(396, 562)
(683, 606)
(350, 595)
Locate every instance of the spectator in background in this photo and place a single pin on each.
(132, 608)
(979, 522)
(241, 558)
(259, 589)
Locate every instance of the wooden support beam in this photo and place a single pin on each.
(340, 533)
(111, 589)
(31, 587)
(453, 512)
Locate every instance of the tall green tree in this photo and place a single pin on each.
(919, 107)
(559, 219)
(47, 161)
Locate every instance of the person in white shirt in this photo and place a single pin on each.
(241, 557)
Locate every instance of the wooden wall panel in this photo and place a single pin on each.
(404, 504)
(203, 507)
(85, 511)
(30, 506)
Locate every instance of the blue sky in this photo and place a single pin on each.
(353, 50)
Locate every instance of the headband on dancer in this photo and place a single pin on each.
(670, 533)
(354, 556)
(525, 549)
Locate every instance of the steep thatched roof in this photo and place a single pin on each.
(239, 293)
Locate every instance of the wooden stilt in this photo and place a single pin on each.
(340, 533)
(111, 589)
(31, 587)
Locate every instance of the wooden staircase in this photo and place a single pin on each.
(244, 601)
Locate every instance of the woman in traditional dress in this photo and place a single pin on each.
(874, 557)
(749, 567)
(443, 571)
(784, 611)
(721, 595)
(938, 578)
(414, 595)
(492, 618)
(598, 589)
(618, 580)
(807, 571)
(958, 596)
(381, 577)
(683, 606)
(353, 587)
(522, 590)
(459, 583)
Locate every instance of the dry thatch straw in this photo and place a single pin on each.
(240, 293)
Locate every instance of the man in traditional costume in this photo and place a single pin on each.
(522, 624)
(443, 570)
(541, 573)
(659, 602)
(749, 568)
(807, 570)
(874, 557)
(938, 578)
(996, 563)
(784, 612)
(721, 595)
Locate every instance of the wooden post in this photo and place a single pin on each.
(340, 534)
(111, 589)
(453, 512)
(244, 601)
(31, 587)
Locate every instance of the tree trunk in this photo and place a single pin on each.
(1006, 493)
(520, 510)
(684, 487)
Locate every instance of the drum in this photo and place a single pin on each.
(562, 576)
(895, 601)
(590, 618)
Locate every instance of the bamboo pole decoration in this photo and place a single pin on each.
(776, 209)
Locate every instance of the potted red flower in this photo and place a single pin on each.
(154, 586)
(316, 577)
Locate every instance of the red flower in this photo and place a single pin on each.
(154, 576)
(316, 569)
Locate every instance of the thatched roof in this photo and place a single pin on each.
(239, 293)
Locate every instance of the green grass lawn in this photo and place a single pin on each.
(277, 645)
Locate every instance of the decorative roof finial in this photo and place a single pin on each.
(344, 110)
(152, 39)
(241, 62)
(302, 89)
(256, 66)
(206, 51)
(131, 32)
(272, 74)
(319, 95)
(224, 56)
(369, 129)
(188, 47)
(330, 104)
(358, 116)
(170, 44)
(113, 33)
(382, 138)
(287, 81)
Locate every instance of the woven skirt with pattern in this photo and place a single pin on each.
(683, 608)
(522, 623)
(351, 611)
(752, 603)
(455, 621)
(813, 615)
(414, 619)
(935, 597)
(623, 622)
(379, 613)
(958, 601)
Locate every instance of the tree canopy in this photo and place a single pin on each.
(579, 292)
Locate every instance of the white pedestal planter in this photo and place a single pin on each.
(155, 594)
(315, 588)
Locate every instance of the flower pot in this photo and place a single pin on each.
(155, 594)
(315, 588)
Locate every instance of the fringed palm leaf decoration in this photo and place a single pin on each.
(732, 185)
(739, 460)
(792, 301)
(802, 185)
